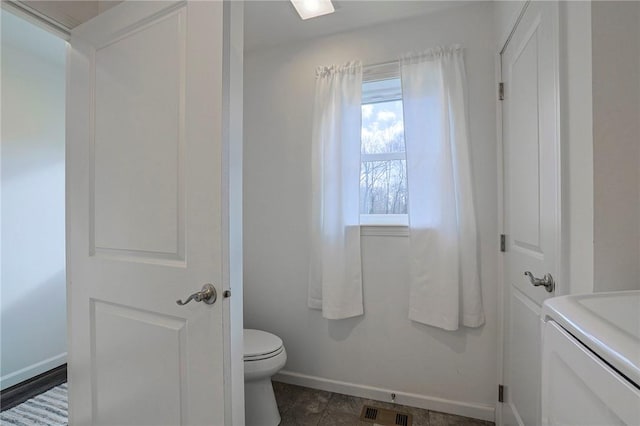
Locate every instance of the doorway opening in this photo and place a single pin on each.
(33, 276)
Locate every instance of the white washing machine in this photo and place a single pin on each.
(591, 359)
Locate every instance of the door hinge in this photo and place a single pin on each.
(501, 91)
(500, 393)
(503, 243)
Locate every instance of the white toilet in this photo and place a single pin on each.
(264, 356)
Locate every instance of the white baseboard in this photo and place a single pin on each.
(30, 371)
(477, 411)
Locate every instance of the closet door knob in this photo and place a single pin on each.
(546, 281)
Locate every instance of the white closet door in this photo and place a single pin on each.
(531, 194)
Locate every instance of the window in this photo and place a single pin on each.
(383, 171)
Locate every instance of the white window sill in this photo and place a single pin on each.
(384, 219)
(384, 230)
(382, 225)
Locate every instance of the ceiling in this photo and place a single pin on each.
(68, 13)
(62, 14)
(270, 23)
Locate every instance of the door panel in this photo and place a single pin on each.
(139, 141)
(531, 161)
(118, 357)
(148, 217)
(524, 158)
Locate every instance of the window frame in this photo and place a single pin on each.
(382, 224)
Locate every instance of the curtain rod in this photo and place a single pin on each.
(382, 64)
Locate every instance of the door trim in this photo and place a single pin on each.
(500, 47)
(232, 127)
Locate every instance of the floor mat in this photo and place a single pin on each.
(49, 408)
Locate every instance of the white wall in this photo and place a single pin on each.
(382, 349)
(33, 308)
(616, 144)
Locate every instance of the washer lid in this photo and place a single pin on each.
(606, 323)
(258, 342)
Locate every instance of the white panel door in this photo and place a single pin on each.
(531, 197)
(147, 217)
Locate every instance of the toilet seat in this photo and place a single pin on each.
(264, 356)
(260, 345)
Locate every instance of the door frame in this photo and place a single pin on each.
(232, 169)
(562, 238)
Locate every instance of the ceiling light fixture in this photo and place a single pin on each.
(312, 8)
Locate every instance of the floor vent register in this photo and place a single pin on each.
(383, 416)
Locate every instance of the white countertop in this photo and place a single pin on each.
(607, 323)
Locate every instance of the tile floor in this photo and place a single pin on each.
(301, 406)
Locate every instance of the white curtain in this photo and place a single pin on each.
(335, 270)
(445, 283)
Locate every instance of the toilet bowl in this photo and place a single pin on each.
(264, 356)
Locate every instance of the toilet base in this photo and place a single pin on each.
(260, 404)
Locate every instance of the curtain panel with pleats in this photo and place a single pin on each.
(335, 269)
(443, 253)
